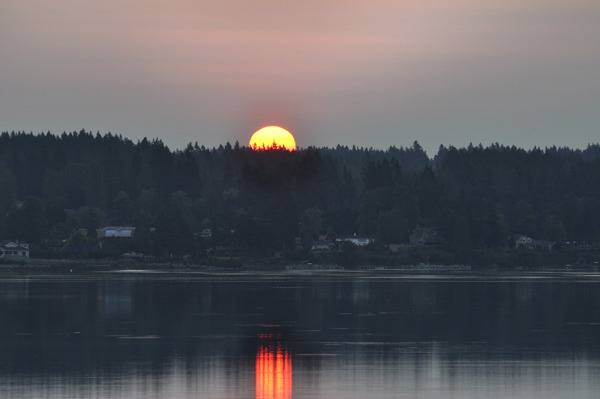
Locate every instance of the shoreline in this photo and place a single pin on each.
(120, 266)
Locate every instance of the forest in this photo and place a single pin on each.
(56, 191)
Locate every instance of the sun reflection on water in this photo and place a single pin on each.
(273, 373)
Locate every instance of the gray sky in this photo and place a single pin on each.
(364, 72)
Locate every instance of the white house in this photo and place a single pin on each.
(525, 242)
(14, 249)
(356, 241)
(322, 245)
(522, 241)
(116, 232)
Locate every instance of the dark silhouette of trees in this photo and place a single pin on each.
(57, 189)
(27, 222)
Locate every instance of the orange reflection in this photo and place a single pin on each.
(273, 374)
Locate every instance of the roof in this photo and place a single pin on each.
(358, 241)
(116, 231)
(7, 244)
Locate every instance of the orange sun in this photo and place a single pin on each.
(272, 138)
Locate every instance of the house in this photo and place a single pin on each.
(14, 249)
(544, 245)
(575, 246)
(116, 232)
(524, 242)
(356, 241)
(206, 234)
(132, 255)
(422, 236)
(322, 245)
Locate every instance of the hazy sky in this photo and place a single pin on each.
(365, 72)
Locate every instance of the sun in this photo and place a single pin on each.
(272, 138)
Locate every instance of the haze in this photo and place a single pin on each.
(372, 73)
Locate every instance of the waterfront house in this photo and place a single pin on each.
(525, 242)
(206, 234)
(116, 232)
(322, 245)
(14, 249)
(356, 241)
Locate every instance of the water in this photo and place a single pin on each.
(179, 337)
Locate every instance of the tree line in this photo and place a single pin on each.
(57, 190)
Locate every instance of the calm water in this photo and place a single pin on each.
(130, 336)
